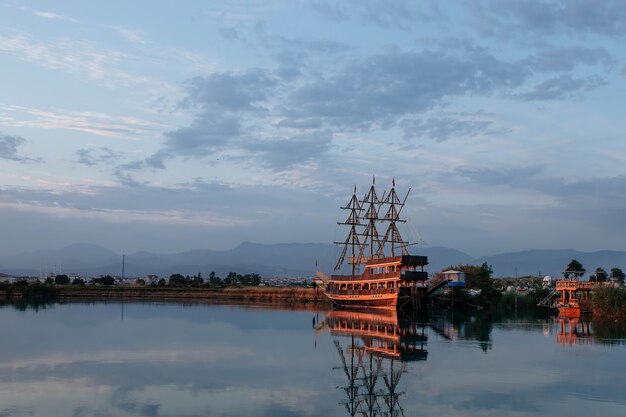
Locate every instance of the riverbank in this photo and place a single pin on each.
(284, 296)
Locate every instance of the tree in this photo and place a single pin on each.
(575, 268)
(78, 281)
(214, 279)
(232, 278)
(62, 279)
(177, 280)
(618, 275)
(599, 275)
(197, 281)
(484, 281)
(104, 280)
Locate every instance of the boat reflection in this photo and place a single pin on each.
(570, 331)
(382, 333)
(379, 345)
(585, 330)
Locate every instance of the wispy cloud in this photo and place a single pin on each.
(96, 123)
(78, 57)
(132, 36)
(172, 217)
(53, 16)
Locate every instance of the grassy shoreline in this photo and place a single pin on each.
(269, 296)
(609, 303)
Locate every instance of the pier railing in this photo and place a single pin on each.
(575, 285)
(377, 291)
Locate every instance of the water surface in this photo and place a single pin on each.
(140, 359)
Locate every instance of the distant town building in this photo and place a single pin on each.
(547, 281)
(456, 278)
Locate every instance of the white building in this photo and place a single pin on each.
(456, 278)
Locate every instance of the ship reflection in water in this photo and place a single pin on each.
(585, 330)
(374, 352)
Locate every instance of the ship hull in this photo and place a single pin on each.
(570, 312)
(384, 302)
(573, 311)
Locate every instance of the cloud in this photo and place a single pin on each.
(373, 92)
(101, 124)
(50, 15)
(562, 87)
(444, 128)
(567, 58)
(381, 91)
(399, 15)
(402, 14)
(602, 200)
(102, 155)
(120, 204)
(229, 91)
(78, 57)
(202, 203)
(132, 36)
(204, 137)
(8, 148)
(223, 102)
(281, 154)
(559, 16)
(491, 177)
(330, 10)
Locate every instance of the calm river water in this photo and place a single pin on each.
(139, 359)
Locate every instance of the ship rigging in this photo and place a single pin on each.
(390, 274)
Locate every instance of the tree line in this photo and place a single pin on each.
(175, 280)
(576, 269)
(232, 279)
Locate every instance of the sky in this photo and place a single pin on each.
(169, 126)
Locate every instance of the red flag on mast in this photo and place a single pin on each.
(393, 182)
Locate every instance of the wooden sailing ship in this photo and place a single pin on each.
(391, 277)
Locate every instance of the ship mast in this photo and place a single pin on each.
(392, 235)
(352, 241)
(364, 215)
(371, 216)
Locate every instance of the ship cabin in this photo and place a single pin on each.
(409, 268)
(385, 274)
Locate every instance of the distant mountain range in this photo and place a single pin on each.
(283, 260)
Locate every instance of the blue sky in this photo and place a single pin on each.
(166, 126)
